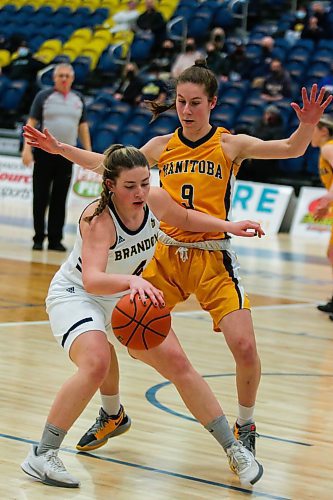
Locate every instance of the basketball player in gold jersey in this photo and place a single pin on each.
(323, 138)
(198, 164)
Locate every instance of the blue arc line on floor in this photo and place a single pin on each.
(163, 472)
(152, 398)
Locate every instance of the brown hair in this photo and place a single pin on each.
(198, 74)
(327, 122)
(117, 158)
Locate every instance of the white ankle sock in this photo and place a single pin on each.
(245, 414)
(111, 404)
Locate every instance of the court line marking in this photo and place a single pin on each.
(155, 470)
(152, 399)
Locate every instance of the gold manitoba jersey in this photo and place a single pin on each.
(198, 175)
(130, 254)
(326, 170)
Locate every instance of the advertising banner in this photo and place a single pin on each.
(303, 223)
(265, 203)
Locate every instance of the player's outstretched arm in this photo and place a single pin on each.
(313, 106)
(46, 141)
(167, 210)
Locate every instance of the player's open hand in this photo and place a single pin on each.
(43, 140)
(313, 106)
(145, 289)
(246, 228)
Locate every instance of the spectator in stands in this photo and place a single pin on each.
(185, 59)
(215, 59)
(237, 65)
(217, 37)
(277, 85)
(62, 111)
(261, 64)
(323, 138)
(130, 86)
(312, 31)
(319, 11)
(165, 58)
(25, 66)
(155, 89)
(125, 20)
(269, 127)
(151, 20)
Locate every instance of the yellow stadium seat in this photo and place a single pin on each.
(103, 34)
(53, 44)
(55, 4)
(110, 4)
(46, 54)
(73, 48)
(72, 4)
(91, 4)
(5, 58)
(82, 33)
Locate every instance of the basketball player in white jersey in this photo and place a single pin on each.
(116, 239)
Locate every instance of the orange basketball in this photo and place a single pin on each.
(140, 327)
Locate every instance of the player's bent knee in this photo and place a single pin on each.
(246, 352)
(98, 368)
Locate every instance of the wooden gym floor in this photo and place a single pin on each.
(166, 455)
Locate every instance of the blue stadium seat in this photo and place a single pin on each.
(224, 18)
(224, 116)
(103, 137)
(4, 83)
(130, 138)
(296, 70)
(81, 67)
(12, 96)
(141, 47)
(302, 54)
(199, 25)
(322, 55)
(318, 70)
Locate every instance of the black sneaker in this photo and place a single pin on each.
(58, 247)
(327, 308)
(331, 317)
(37, 245)
(105, 427)
(247, 435)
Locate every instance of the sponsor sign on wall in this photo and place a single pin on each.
(265, 203)
(303, 223)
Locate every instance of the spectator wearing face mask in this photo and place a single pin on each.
(165, 58)
(312, 30)
(130, 85)
(185, 59)
(215, 59)
(237, 65)
(217, 38)
(277, 84)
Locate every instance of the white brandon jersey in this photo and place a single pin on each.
(130, 254)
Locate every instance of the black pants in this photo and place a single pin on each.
(51, 179)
